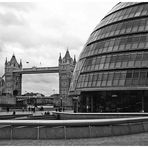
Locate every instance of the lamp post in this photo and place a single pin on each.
(61, 104)
(143, 101)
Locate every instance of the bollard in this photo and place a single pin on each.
(11, 136)
(38, 132)
(64, 132)
(89, 131)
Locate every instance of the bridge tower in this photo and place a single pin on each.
(66, 67)
(13, 80)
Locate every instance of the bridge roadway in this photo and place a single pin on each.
(35, 70)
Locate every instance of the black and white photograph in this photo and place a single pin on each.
(73, 73)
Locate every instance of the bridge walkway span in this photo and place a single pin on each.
(35, 70)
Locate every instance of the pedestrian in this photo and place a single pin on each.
(13, 112)
(34, 109)
(7, 109)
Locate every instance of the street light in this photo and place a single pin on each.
(61, 103)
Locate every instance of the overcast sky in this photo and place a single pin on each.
(37, 32)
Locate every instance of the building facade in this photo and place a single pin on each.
(112, 72)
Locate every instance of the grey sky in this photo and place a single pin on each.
(37, 32)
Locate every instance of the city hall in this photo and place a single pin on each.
(112, 72)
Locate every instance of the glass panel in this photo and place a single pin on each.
(145, 59)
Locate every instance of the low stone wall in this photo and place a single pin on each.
(78, 116)
(6, 117)
(36, 131)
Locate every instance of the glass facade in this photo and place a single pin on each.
(114, 60)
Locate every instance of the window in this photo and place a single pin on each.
(99, 79)
(135, 77)
(110, 79)
(142, 25)
(135, 42)
(104, 79)
(136, 74)
(125, 59)
(122, 44)
(142, 42)
(107, 62)
(122, 31)
(116, 78)
(145, 10)
(122, 78)
(128, 81)
(131, 60)
(129, 75)
(90, 80)
(139, 57)
(129, 27)
(117, 29)
(145, 59)
(112, 61)
(132, 12)
(138, 11)
(135, 26)
(118, 61)
(142, 80)
(111, 44)
(116, 44)
(94, 80)
(128, 43)
(143, 74)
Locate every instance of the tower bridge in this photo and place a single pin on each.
(12, 78)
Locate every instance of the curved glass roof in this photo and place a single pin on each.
(116, 53)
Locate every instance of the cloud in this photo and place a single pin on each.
(38, 32)
(8, 19)
(17, 6)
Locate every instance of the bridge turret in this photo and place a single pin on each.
(6, 61)
(20, 63)
(66, 68)
(74, 60)
(67, 58)
(12, 81)
(60, 59)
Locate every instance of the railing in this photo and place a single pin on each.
(93, 122)
(65, 129)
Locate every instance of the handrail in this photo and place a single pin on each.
(92, 122)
